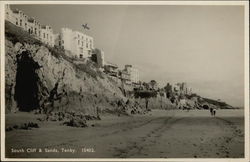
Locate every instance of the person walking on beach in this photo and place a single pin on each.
(211, 111)
(214, 112)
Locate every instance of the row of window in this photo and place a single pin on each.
(82, 44)
(33, 30)
(78, 35)
(20, 23)
(45, 36)
(87, 39)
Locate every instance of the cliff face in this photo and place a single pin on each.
(36, 79)
(45, 79)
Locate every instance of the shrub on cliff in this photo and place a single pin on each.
(90, 69)
(145, 94)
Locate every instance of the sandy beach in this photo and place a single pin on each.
(159, 134)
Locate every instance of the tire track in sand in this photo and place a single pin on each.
(234, 132)
(136, 147)
(131, 125)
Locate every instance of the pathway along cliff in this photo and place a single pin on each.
(160, 134)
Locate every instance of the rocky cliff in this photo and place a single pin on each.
(45, 79)
(38, 79)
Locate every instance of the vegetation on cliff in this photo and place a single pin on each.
(53, 81)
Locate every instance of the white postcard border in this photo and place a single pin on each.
(246, 80)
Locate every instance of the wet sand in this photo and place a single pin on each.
(159, 134)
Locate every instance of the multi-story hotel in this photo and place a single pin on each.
(42, 32)
(80, 44)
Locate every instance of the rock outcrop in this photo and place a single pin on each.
(38, 79)
(45, 79)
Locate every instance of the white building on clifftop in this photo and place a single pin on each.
(80, 44)
(44, 33)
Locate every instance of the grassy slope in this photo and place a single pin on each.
(220, 104)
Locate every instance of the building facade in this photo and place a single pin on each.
(111, 69)
(124, 76)
(44, 33)
(133, 73)
(9, 14)
(80, 44)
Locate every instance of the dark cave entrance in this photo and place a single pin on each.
(26, 89)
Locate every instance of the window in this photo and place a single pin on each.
(16, 21)
(21, 22)
(82, 43)
(78, 42)
(81, 56)
(87, 45)
(47, 36)
(39, 33)
(43, 35)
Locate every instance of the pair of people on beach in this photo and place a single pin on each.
(213, 111)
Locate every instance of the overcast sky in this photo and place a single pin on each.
(200, 45)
